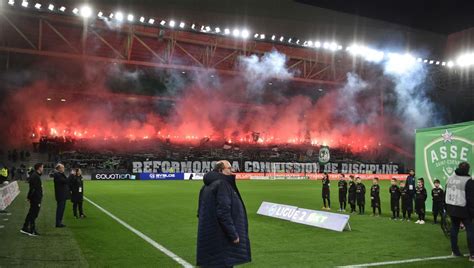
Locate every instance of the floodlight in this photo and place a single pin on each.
(119, 16)
(37, 5)
(51, 7)
(130, 17)
(24, 4)
(62, 9)
(142, 19)
(172, 23)
(75, 11)
(86, 11)
(236, 32)
(181, 25)
(245, 33)
(151, 21)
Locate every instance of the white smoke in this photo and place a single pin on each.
(414, 107)
(347, 102)
(259, 70)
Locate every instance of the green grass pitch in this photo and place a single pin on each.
(166, 212)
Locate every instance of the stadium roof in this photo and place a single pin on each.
(443, 17)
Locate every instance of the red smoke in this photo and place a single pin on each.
(198, 114)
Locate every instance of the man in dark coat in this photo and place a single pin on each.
(61, 192)
(76, 186)
(223, 239)
(460, 207)
(35, 195)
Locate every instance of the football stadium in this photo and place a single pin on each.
(283, 133)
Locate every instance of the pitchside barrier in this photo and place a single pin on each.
(321, 219)
(240, 176)
(8, 193)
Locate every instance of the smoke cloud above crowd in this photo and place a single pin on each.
(189, 107)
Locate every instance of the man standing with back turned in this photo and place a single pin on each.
(222, 239)
(460, 207)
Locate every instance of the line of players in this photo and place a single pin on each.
(354, 192)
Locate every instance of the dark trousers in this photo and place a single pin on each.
(437, 206)
(455, 224)
(61, 205)
(75, 206)
(420, 209)
(352, 203)
(326, 197)
(342, 201)
(376, 205)
(31, 216)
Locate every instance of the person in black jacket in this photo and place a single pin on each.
(394, 199)
(460, 207)
(352, 194)
(326, 192)
(420, 198)
(375, 197)
(222, 239)
(342, 186)
(35, 196)
(61, 193)
(76, 186)
(438, 200)
(360, 195)
(407, 208)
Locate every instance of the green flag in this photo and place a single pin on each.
(439, 150)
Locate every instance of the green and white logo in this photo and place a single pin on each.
(324, 155)
(443, 154)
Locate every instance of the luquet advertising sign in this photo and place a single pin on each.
(321, 219)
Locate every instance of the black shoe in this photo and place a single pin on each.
(456, 254)
(35, 233)
(25, 231)
(60, 226)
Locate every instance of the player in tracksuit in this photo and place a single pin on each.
(420, 198)
(394, 191)
(438, 200)
(360, 195)
(375, 197)
(352, 194)
(326, 192)
(342, 186)
(407, 208)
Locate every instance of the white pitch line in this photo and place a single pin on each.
(152, 242)
(399, 262)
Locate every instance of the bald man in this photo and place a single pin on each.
(61, 193)
(223, 239)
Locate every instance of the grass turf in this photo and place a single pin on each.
(166, 212)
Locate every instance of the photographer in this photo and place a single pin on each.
(460, 207)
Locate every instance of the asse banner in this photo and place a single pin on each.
(439, 151)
